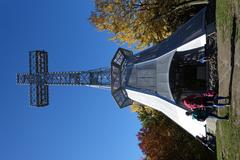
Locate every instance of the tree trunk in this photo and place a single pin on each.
(185, 4)
(189, 4)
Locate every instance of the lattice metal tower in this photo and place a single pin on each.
(39, 79)
(158, 77)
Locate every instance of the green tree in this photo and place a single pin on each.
(147, 115)
(141, 22)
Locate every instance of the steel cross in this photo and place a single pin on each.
(39, 79)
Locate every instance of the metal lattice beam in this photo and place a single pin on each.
(39, 78)
(99, 77)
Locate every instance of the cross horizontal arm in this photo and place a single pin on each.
(99, 77)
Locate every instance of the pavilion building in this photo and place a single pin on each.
(163, 74)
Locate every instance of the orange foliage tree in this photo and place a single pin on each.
(141, 22)
(161, 139)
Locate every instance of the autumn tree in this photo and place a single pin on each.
(147, 115)
(160, 138)
(141, 22)
(167, 142)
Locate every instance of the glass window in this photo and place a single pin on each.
(119, 58)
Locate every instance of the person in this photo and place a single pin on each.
(201, 114)
(203, 60)
(208, 99)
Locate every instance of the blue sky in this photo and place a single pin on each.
(80, 123)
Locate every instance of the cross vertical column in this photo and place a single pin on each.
(38, 69)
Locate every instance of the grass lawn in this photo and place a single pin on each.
(228, 144)
(228, 27)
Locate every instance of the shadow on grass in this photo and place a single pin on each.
(233, 44)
